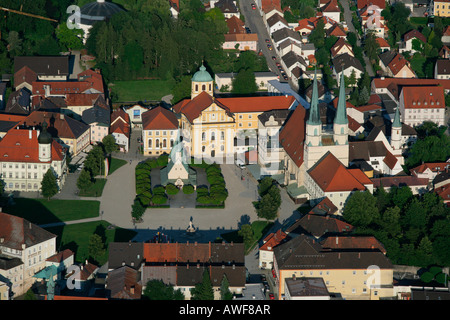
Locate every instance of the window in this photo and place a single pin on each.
(203, 136)
(157, 143)
(164, 143)
(213, 136)
(171, 143)
(149, 143)
(203, 87)
(222, 135)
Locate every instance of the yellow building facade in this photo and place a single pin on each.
(441, 8)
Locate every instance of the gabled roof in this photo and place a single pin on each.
(286, 33)
(159, 118)
(397, 64)
(364, 3)
(353, 242)
(97, 115)
(432, 166)
(25, 74)
(193, 108)
(339, 45)
(16, 231)
(256, 104)
(291, 58)
(231, 37)
(382, 43)
(336, 30)
(273, 239)
(399, 181)
(331, 6)
(318, 225)
(414, 34)
(275, 18)
(235, 25)
(423, 97)
(43, 65)
(443, 67)
(125, 253)
(332, 176)
(123, 283)
(345, 61)
(292, 135)
(60, 256)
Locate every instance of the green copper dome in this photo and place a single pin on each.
(44, 136)
(202, 75)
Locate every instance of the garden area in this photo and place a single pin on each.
(90, 240)
(43, 211)
(249, 234)
(209, 195)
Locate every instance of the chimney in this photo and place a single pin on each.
(61, 116)
(198, 265)
(293, 277)
(30, 134)
(339, 255)
(132, 290)
(359, 255)
(337, 240)
(187, 266)
(2, 240)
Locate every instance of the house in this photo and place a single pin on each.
(44, 68)
(183, 265)
(330, 178)
(340, 47)
(346, 64)
(24, 249)
(440, 8)
(120, 129)
(74, 135)
(267, 8)
(124, 283)
(444, 53)
(417, 185)
(159, 131)
(276, 22)
(285, 34)
(346, 242)
(266, 249)
(305, 27)
(347, 273)
(135, 113)
(430, 170)
(290, 61)
(446, 36)
(383, 44)
(241, 41)
(318, 225)
(392, 87)
(228, 7)
(442, 69)
(331, 9)
(395, 65)
(408, 41)
(99, 119)
(174, 8)
(378, 4)
(19, 102)
(24, 78)
(235, 25)
(128, 254)
(424, 103)
(336, 30)
(27, 155)
(373, 21)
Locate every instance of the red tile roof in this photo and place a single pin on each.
(397, 64)
(339, 45)
(120, 115)
(231, 37)
(332, 176)
(81, 99)
(159, 118)
(193, 108)
(331, 6)
(235, 25)
(433, 166)
(273, 239)
(17, 146)
(257, 104)
(349, 242)
(24, 75)
(324, 206)
(60, 256)
(399, 181)
(364, 3)
(423, 97)
(382, 43)
(414, 34)
(390, 160)
(292, 135)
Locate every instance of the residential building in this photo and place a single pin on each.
(383, 44)
(24, 249)
(74, 135)
(159, 131)
(340, 47)
(408, 41)
(121, 129)
(346, 273)
(99, 119)
(19, 102)
(395, 65)
(235, 25)
(124, 284)
(331, 9)
(346, 64)
(275, 23)
(27, 155)
(135, 113)
(241, 41)
(43, 68)
(174, 8)
(266, 249)
(442, 69)
(419, 104)
(430, 169)
(224, 81)
(284, 34)
(440, 8)
(417, 185)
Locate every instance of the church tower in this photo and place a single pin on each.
(45, 144)
(202, 81)
(340, 124)
(396, 134)
(314, 124)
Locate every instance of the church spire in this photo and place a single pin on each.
(314, 115)
(397, 123)
(341, 111)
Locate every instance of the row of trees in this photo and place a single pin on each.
(217, 192)
(415, 230)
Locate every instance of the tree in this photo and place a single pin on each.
(188, 189)
(244, 82)
(158, 290)
(264, 186)
(391, 221)
(203, 290)
(361, 209)
(172, 189)
(246, 232)
(225, 293)
(109, 144)
(84, 181)
(96, 247)
(137, 210)
(49, 185)
(71, 39)
(401, 196)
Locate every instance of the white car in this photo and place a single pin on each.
(240, 164)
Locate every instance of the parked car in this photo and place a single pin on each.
(271, 296)
(274, 58)
(253, 6)
(267, 41)
(263, 277)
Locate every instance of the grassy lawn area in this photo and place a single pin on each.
(116, 164)
(259, 228)
(42, 211)
(141, 90)
(95, 190)
(76, 237)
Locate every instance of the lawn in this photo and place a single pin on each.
(141, 90)
(76, 237)
(95, 190)
(116, 164)
(42, 211)
(259, 228)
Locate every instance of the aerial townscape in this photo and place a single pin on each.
(240, 150)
